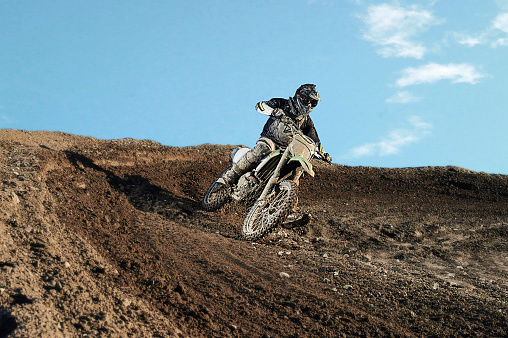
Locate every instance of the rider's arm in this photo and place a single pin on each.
(270, 107)
(309, 130)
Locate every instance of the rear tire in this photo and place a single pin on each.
(267, 215)
(216, 197)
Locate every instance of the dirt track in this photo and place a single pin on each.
(107, 238)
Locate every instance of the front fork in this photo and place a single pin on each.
(275, 175)
(274, 179)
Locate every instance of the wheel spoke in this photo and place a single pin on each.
(267, 215)
(216, 196)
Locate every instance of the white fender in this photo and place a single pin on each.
(238, 153)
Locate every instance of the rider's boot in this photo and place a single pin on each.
(296, 220)
(227, 180)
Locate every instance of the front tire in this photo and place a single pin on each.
(216, 196)
(267, 215)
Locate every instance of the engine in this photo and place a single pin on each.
(246, 186)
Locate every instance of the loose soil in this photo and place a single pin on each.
(107, 238)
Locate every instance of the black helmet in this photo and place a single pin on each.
(305, 99)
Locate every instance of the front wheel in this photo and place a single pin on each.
(216, 196)
(270, 213)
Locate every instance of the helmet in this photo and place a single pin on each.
(305, 99)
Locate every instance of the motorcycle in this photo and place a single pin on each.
(269, 191)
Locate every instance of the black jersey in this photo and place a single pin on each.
(280, 132)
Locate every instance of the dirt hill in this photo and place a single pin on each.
(107, 238)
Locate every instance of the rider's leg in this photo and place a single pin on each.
(247, 162)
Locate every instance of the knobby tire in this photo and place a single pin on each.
(263, 217)
(216, 199)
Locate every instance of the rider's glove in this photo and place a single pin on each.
(327, 157)
(277, 112)
(323, 154)
(265, 109)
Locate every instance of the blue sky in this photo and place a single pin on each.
(403, 83)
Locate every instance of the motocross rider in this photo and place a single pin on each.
(276, 133)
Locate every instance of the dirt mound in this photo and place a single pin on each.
(107, 238)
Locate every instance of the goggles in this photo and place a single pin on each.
(307, 100)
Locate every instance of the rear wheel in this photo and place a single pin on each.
(269, 214)
(216, 196)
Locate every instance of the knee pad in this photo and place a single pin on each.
(251, 158)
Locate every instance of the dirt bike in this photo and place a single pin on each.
(270, 190)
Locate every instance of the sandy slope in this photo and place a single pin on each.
(107, 238)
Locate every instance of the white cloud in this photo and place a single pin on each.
(403, 97)
(432, 72)
(393, 28)
(500, 23)
(419, 123)
(496, 34)
(501, 42)
(467, 40)
(396, 139)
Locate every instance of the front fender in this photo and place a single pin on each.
(306, 165)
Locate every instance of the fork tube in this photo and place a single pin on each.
(275, 175)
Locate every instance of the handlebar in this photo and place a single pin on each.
(294, 128)
(322, 156)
